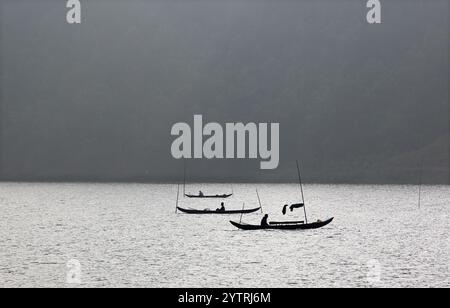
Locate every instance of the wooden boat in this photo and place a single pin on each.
(286, 225)
(281, 226)
(224, 196)
(215, 212)
(201, 196)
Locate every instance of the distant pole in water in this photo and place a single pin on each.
(420, 183)
(259, 200)
(301, 189)
(178, 197)
(184, 178)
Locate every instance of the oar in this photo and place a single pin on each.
(178, 197)
(259, 200)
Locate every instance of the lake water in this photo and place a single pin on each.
(128, 235)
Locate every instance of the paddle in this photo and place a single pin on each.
(286, 222)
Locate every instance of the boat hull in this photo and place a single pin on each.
(211, 212)
(209, 197)
(315, 225)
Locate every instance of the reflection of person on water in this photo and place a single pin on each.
(222, 208)
(200, 193)
(264, 222)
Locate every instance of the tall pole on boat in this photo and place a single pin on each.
(301, 189)
(259, 200)
(242, 213)
(178, 197)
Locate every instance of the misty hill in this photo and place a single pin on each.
(356, 103)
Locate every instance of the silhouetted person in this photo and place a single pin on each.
(292, 207)
(222, 208)
(264, 222)
(296, 206)
(200, 193)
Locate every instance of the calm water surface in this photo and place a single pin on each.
(129, 236)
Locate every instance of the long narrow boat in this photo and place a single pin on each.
(215, 212)
(201, 196)
(286, 225)
(224, 196)
(290, 226)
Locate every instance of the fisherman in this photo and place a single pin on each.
(222, 208)
(296, 206)
(200, 193)
(292, 207)
(264, 222)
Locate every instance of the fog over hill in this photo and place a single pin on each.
(356, 103)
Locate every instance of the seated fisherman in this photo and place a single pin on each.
(222, 208)
(264, 222)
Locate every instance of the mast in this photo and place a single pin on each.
(301, 189)
(242, 213)
(178, 197)
(259, 200)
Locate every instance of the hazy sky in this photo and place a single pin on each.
(355, 102)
